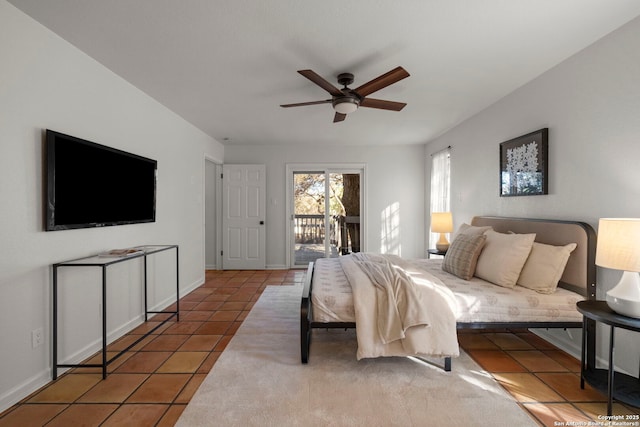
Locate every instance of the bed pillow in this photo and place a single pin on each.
(472, 229)
(544, 267)
(503, 257)
(462, 256)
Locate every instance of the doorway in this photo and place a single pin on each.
(326, 214)
(212, 214)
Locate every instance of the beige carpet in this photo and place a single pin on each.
(259, 381)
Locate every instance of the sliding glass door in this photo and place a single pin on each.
(325, 222)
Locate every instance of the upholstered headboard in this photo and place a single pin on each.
(580, 272)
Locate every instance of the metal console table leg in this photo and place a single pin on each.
(96, 261)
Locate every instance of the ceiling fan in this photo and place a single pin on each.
(348, 100)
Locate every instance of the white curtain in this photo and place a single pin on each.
(440, 187)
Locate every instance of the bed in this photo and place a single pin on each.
(327, 298)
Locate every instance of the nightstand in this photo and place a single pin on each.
(435, 252)
(616, 385)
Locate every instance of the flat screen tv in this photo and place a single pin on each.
(92, 185)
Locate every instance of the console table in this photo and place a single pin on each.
(103, 262)
(616, 385)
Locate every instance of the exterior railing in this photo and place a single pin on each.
(310, 229)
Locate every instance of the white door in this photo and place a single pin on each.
(243, 238)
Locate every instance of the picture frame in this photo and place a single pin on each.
(524, 165)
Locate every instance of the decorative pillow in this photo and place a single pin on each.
(472, 229)
(544, 267)
(503, 257)
(462, 256)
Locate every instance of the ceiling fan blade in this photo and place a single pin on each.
(317, 79)
(339, 117)
(383, 81)
(302, 104)
(382, 104)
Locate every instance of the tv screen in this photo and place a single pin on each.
(92, 185)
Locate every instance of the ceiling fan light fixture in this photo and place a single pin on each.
(345, 105)
(345, 101)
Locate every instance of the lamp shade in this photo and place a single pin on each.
(619, 249)
(441, 222)
(619, 244)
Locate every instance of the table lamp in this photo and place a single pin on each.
(619, 248)
(442, 222)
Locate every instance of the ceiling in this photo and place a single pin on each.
(226, 66)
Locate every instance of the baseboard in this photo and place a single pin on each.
(267, 267)
(193, 285)
(44, 377)
(41, 379)
(562, 339)
(96, 345)
(127, 327)
(16, 394)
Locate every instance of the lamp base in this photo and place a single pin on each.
(442, 244)
(442, 247)
(624, 298)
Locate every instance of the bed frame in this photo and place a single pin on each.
(579, 276)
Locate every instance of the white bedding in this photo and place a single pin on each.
(400, 310)
(478, 300)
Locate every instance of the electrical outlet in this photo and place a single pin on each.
(37, 337)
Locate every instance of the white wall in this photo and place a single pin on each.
(47, 83)
(591, 105)
(394, 182)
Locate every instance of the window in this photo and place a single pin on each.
(440, 186)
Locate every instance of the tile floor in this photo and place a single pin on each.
(151, 384)
(544, 380)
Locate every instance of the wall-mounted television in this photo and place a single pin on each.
(92, 185)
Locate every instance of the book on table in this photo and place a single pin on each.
(121, 252)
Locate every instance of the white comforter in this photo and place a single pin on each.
(400, 309)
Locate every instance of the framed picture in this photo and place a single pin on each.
(524, 165)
